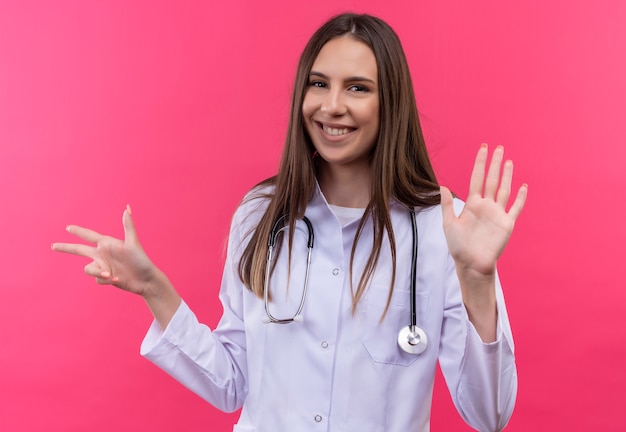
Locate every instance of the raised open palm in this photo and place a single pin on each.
(477, 237)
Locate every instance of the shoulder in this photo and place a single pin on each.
(433, 213)
(252, 207)
(430, 222)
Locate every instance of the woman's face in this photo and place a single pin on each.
(341, 103)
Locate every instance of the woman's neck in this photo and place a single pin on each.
(345, 186)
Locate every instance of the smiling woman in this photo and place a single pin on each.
(341, 115)
(356, 173)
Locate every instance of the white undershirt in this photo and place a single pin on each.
(347, 214)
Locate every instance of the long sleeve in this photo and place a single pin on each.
(339, 369)
(212, 364)
(482, 378)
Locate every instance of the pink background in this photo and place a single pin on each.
(179, 107)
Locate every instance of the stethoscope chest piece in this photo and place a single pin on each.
(412, 340)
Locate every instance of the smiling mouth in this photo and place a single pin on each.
(336, 131)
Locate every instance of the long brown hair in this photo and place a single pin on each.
(399, 161)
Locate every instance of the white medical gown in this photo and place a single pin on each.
(338, 370)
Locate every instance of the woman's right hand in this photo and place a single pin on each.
(124, 264)
(121, 263)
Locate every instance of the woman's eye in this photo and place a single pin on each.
(359, 88)
(318, 84)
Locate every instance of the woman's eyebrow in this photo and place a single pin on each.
(348, 79)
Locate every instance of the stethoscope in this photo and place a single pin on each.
(412, 339)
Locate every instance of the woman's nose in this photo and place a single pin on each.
(333, 103)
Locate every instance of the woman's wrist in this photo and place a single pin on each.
(161, 297)
(479, 298)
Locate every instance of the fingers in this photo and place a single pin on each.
(447, 207)
(104, 253)
(504, 192)
(478, 172)
(80, 249)
(92, 236)
(130, 235)
(493, 175)
(520, 200)
(97, 269)
(84, 233)
(504, 189)
(107, 279)
(103, 274)
(494, 182)
(75, 249)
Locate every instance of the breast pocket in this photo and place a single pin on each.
(381, 338)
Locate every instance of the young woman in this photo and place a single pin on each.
(359, 232)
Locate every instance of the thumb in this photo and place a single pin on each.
(130, 235)
(447, 207)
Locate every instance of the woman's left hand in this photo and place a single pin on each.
(477, 237)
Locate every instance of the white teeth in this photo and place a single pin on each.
(333, 131)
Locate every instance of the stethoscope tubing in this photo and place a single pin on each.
(414, 271)
(277, 228)
(411, 339)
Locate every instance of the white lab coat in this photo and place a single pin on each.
(339, 371)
